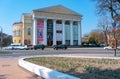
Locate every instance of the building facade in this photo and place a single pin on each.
(49, 26)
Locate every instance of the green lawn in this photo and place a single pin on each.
(82, 68)
(3, 52)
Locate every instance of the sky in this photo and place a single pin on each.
(12, 10)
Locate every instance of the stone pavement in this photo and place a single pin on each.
(9, 69)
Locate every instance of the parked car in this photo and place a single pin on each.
(20, 47)
(118, 47)
(8, 48)
(30, 47)
(108, 47)
(15, 46)
(39, 46)
(61, 46)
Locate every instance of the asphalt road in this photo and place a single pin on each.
(50, 51)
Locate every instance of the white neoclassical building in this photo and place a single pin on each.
(51, 26)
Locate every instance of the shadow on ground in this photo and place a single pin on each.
(95, 73)
(3, 77)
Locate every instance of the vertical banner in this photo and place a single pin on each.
(75, 32)
(40, 28)
(67, 32)
(50, 32)
(59, 32)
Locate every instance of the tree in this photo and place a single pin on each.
(108, 6)
(104, 25)
(94, 37)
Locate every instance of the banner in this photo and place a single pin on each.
(40, 28)
(67, 32)
(75, 32)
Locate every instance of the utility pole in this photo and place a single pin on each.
(1, 38)
(114, 43)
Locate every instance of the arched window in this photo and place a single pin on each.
(29, 30)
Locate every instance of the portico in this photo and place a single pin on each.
(50, 26)
(58, 31)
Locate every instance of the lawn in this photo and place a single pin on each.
(81, 67)
(3, 52)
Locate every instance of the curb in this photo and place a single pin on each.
(43, 71)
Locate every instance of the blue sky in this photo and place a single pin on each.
(11, 11)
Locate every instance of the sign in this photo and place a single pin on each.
(40, 27)
(113, 25)
(113, 43)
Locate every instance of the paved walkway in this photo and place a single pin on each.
(9, 69)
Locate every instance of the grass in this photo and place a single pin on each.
(82, 68)
(3, 52)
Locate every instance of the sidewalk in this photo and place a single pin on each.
(9, 69)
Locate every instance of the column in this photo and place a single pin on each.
(45, 32)
(71, 32)
(34, 31)
(63, 32)
(54, 32)
(79, 33)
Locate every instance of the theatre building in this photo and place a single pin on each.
(49, 26)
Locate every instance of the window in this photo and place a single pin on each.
(19, 32)
(28, 21)
(29, 30)
(59, 31)
(14, 33)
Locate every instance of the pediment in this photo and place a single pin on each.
(57, 9)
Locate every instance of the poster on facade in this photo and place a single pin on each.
(59, 36)
(67, 32)
(75, 32)
(59, 32)
(40, 27)
(50, 32)
(59, 27)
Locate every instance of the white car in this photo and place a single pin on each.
(15, 47)
(8, 48)
(118, 47)
(108, 47)
(20, 47)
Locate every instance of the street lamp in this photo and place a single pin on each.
(1, 37)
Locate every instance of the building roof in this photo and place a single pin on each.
(58, 9)
(17, 23)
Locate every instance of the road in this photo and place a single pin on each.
(50, 51)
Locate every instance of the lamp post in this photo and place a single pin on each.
(1, 38)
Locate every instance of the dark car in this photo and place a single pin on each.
(61, 46)
(39, 46)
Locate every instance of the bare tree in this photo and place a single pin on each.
(104, 26)
(108, 6)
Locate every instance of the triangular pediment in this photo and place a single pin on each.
(57, 9)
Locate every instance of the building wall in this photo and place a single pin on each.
(17, 33)
(27, 29)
